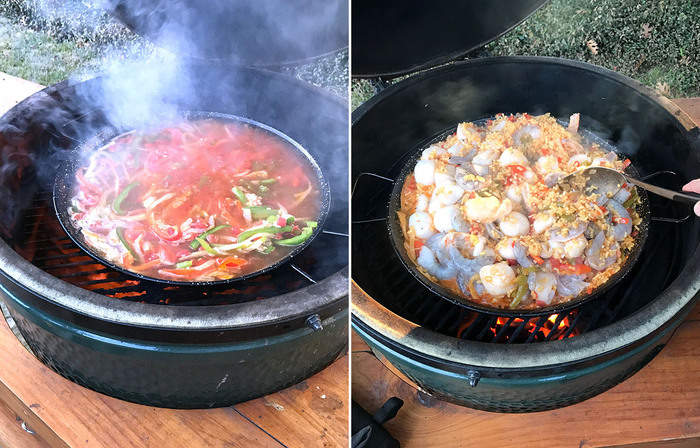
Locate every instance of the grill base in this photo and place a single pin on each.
(184, 376)
(550, 388)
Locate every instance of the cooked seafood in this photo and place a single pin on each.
(483, 215)
(201, 201)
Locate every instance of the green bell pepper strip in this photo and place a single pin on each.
(125, 243)
(117, 203)
(262, 212)
(268, 181)
(240, 195)
(206, 246)
(521, 291)
(305, 234)
(195, 243)
(272, 229)
(184, 264)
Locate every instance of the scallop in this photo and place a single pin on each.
(498, 279)
(514, 194)
(514, 224)
(542, 222)
(546, 165)
(422, 225)
(432, 152)
(424, 172)
(447, 219)
(487, 209)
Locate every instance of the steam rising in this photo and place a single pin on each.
(152, 90)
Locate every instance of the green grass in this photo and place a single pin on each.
(668, 58)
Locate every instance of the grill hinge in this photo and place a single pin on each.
(473, 376)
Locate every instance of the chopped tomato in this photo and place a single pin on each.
(417, 244)
(566, 268)
(232, 262)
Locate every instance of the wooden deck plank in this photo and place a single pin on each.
(65, 414)
(12, 434)
(661, 402)
(317, 410)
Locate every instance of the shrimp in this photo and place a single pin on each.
(483, 159)
(449, 218)
(571, 285)
(422, 225)
(520, 254)
(578, 160)
(514, 194)
(622, 222)
(468, 134)
(492, 231)
(622, 195)
(468, 181)
(573, 123)
(512, 157)
(528, 132)
(424, 172)
(487, 209)
(564, 234)
(514, 224)
(574, 247)
(427, 259)
(543, 285)
(546, 165)
(457, 149)
(498, 279)
(593, 253)
(463, 159)
(474, 244)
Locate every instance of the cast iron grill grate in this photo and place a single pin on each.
(386, 279)
(43, 242)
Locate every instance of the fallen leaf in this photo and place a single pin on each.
(663, 88)
(685, 60)
(593, 46)
(646, 30)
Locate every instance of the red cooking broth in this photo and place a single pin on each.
(175, 203)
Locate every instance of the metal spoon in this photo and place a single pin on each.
(607, 181)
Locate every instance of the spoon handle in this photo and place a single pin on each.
(688, 198)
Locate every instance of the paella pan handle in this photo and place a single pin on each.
(687, 198)
(367, 220)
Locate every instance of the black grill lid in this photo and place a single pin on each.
(395, 37)
(251, 33)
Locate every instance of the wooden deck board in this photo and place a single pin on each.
(661, 402)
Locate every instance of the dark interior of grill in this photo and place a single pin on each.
(673, 233)
(31, 228)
